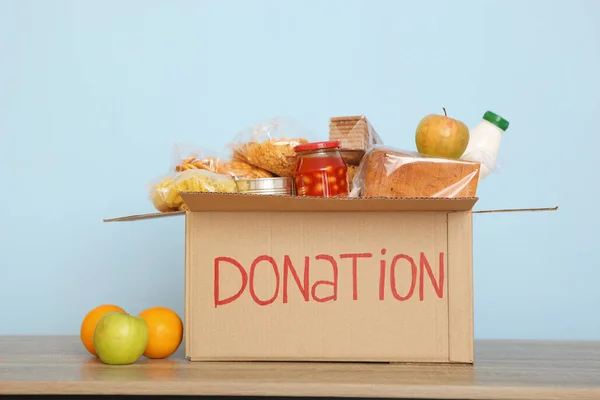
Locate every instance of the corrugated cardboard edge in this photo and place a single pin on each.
(555, 208)
(138, 217)
(186, 305)
(460, 288)
(241, 202)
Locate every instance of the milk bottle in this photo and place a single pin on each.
(484, 142)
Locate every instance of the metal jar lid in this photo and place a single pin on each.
(265, 185)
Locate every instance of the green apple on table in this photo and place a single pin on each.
(120, 338)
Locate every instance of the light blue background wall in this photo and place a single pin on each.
(94, 93)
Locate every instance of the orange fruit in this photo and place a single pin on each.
(165, 331)
(89, 325)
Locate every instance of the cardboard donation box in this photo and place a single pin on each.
(327, 279)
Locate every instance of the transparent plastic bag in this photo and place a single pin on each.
(487, 159)
(165, 192)
(389, 172)
(350, 176)
(354, 133)
(190, 157)
(269, 145)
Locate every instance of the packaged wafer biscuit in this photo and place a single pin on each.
(355, 134)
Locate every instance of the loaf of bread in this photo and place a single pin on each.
(386, 172)
(353, 133)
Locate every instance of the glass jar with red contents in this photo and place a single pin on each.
(320, 170)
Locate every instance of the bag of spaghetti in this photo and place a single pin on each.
(165, 192)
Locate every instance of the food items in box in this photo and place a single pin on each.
(275, 156)
(242, 170)
(353, 133)
(191, 157)
(388, 172)
(352, 157)
(237, 169)
(165, 195)
(208, 163)
(441, 136)
(270, 145)
(484, 142)
(266, 186)
(320, 170)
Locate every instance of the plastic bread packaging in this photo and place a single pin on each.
(269, 145)
(165, 191)
(388, 172)
(190, 157)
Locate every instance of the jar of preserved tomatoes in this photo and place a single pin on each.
(320, 170)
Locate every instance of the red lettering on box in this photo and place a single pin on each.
(304, 286)
(303, 283)
(438, 286)
(413, 270)
(382, 276)
(355, 257)
(253, 270)
(333, 283)
(218, 260)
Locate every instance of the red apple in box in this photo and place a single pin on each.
(442, 136)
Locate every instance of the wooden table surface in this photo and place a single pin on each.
(502, 370)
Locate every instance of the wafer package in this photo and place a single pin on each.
(355, 134)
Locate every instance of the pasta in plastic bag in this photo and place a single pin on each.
(388, 172)
(269, 145)
(165, 194)
(189, 157)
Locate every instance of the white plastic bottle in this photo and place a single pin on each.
(484, 142)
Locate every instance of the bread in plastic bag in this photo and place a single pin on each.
(189, 157)
(388, 172)
(165, 194)
(269, 145)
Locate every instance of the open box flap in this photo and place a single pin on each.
(507, 210)
(137, 217)
(251, 202)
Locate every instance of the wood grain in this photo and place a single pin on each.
(502, 370)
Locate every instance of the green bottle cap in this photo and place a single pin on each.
(496, 120)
